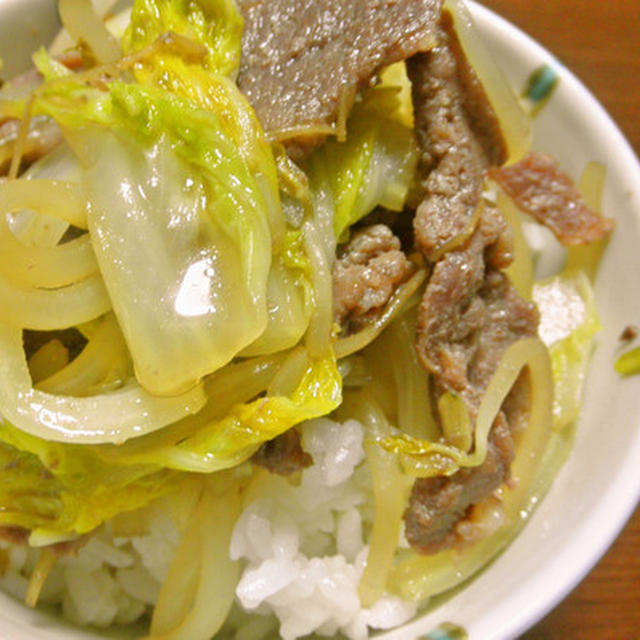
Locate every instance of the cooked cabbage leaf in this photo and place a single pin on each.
(192, 293)
(56, 489)
(374, 166)
(214, 441)
(569, 323)
(213, 26)
(289, 298)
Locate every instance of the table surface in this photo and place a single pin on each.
(599, 42)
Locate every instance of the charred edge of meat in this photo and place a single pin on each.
(283, 455)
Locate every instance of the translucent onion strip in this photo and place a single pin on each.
(290, 373)
(113, 417)
(82, 22)
(425, 458)
(591, 186)
(45, 267)
(56, 198)
(49, 358)
(197, 608)
(49, 309)
(401, 385)
(105, 351)
(38, 229)
(63, 41)
(521, 270)
(391, 490)
(45, 564)
(515, 124)
(21, 140)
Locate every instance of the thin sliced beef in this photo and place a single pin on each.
(365, 276)
(459, 139)
(304, 60)
(283, 455)
(439, 505)
(540, 188)
(469, 315)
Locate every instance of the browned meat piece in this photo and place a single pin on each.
(368, 272)
(438, 505)
(304, 60)
(464, 304)
(469, 315)
(459, 138)
(283, 455)
(540, 188)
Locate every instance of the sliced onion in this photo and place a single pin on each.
(197, 607)
(82, 22)
(521, 270)
(48, 359)
(514, 123)
(113, 417)
(591, 186)
(56, 198)
(391, 490)
(105, 351)
(45, 267)
(49, 309)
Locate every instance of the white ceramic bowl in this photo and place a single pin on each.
(599, 486)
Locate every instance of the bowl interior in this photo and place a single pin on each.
(599, 485)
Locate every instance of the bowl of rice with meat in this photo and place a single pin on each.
(309, 322)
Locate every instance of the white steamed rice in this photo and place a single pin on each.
(302, 547)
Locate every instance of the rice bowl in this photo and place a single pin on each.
(544, 550)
